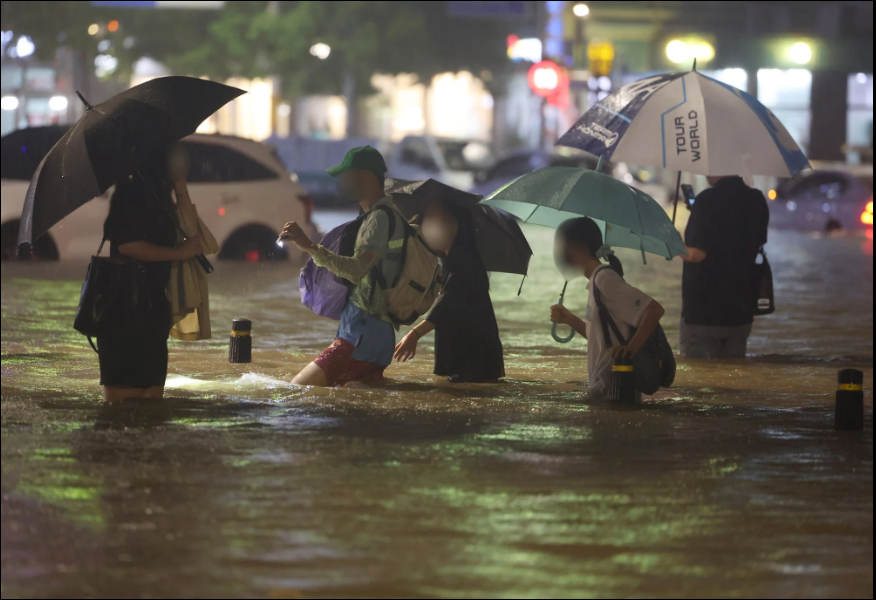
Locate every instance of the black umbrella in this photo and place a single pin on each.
(110, 140)
(501, 243)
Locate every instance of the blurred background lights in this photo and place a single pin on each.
(24, 47)
(9, 103)
(321, 51)
(104, 65)
(58, 103)
(581, 10)
(800, 53)
(680, 51)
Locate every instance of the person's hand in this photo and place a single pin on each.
(292, 232)
(562, 315)
(406, 349)
(190, 248)
(628, 351)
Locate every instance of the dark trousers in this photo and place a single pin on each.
(704, 341)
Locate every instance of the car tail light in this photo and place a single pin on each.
(307, 201)
(867, 215)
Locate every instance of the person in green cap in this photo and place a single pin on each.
(365, 341)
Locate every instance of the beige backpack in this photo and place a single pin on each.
(418, 283)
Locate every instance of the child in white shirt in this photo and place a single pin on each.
(580, 246)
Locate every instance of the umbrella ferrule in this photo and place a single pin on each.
(84, 101)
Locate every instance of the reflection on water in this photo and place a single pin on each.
(240, 484)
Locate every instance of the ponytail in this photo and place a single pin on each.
(615, 263)
(584, 231)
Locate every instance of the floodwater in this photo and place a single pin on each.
(732, 484)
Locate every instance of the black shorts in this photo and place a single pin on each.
(134, 354)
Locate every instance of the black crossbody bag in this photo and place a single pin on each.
(654, 365)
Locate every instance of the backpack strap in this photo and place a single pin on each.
(608, 324)
(377, 271)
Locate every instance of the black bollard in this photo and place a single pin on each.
(622, 389)
(240, 347)
(850, 401)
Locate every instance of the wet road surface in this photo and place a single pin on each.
(733, 484)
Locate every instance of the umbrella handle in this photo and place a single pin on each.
(554, 334)
(205, 264)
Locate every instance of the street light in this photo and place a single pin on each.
(24, 47)
(800, 53)
(581, 10)
(93, 29)
(321, 51)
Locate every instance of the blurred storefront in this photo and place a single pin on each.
(810, 63)
(452, 105)
(35, 93)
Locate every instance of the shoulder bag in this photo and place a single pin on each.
(654, 365)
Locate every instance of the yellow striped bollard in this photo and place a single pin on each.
(240, 347)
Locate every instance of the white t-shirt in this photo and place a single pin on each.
(626, 305)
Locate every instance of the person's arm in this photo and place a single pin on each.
(406, 349)
(650, 319)
(698, 234)
(694, 255)
(562, 315)
(146, 252)
(374, 234)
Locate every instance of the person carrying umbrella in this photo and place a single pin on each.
(474, 239)
(126, 142)
(140, 226)
(580, 247)
(581, 205)
(467, 344)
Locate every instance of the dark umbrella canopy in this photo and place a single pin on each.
(501, 244)
(110, 140)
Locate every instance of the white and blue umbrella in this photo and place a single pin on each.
(688, 122)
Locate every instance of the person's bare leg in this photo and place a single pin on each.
(115, 394)
(312, 375)
(156, 393)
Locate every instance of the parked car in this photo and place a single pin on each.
(309, 158)
(522, 162)
(451, 161)
(829, 198)
(241, 189)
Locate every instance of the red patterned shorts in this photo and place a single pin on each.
(341, 368)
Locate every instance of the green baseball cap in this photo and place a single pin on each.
(363, 158)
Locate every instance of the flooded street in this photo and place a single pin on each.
(732, 484)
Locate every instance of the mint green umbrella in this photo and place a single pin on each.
(628, 217)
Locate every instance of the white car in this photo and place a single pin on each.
(242, 191)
